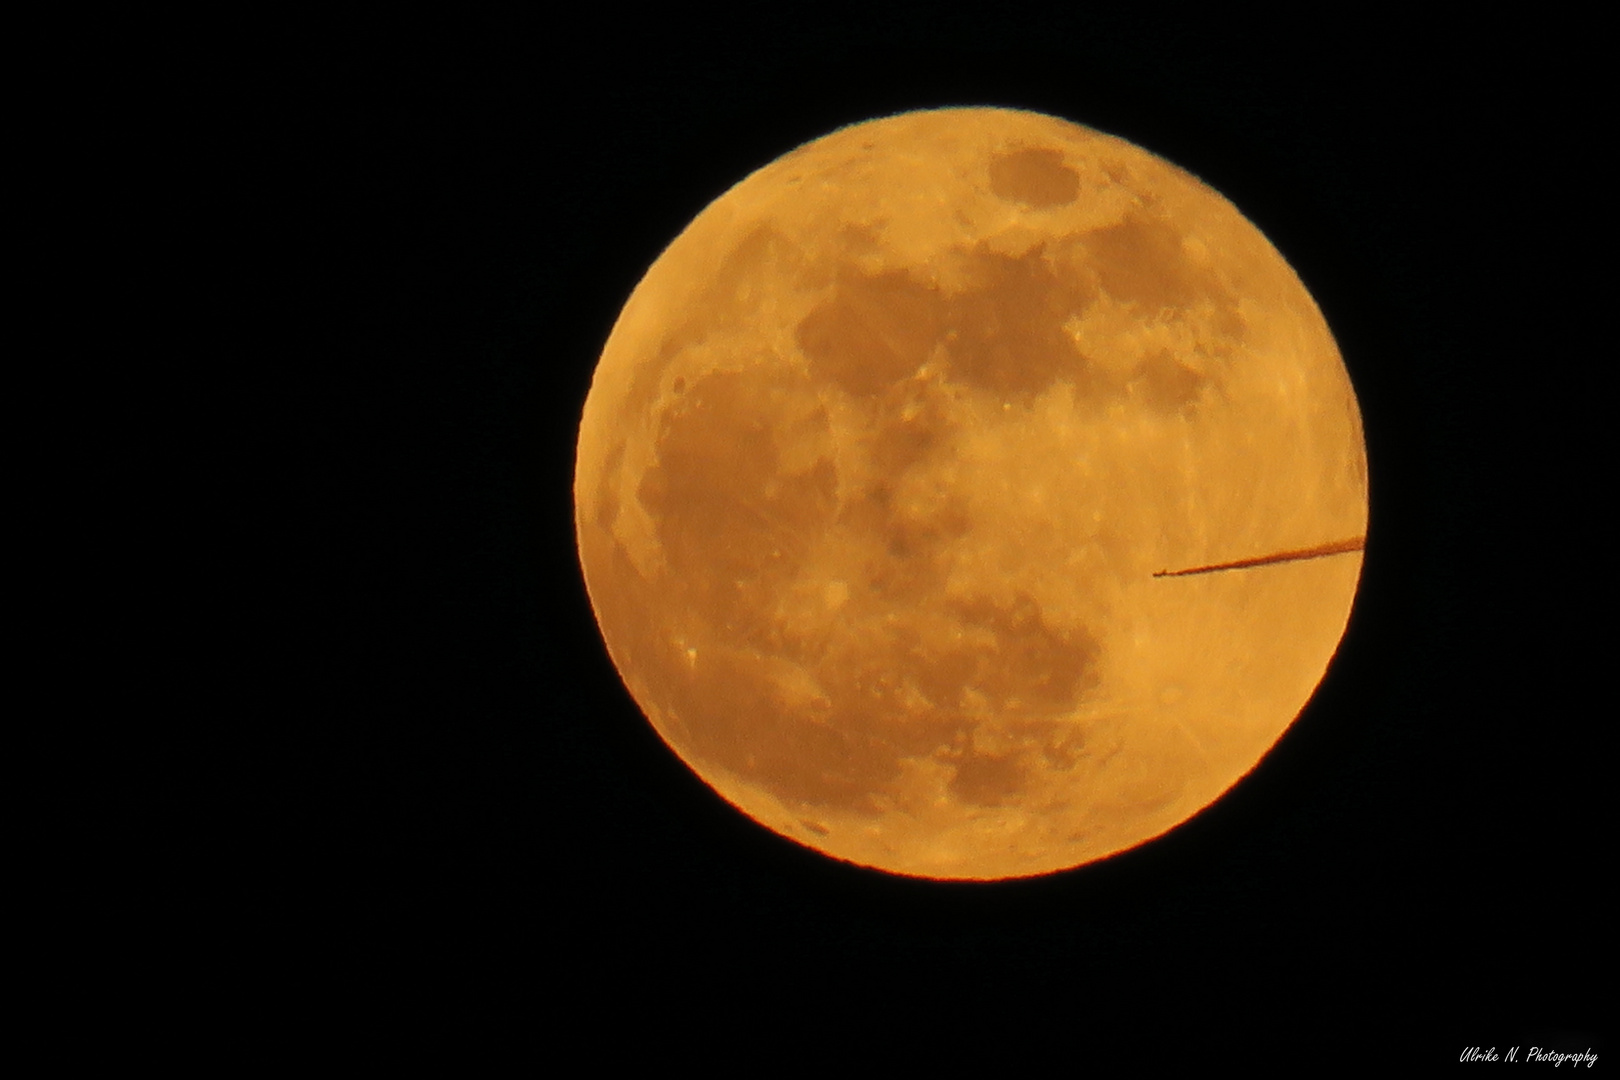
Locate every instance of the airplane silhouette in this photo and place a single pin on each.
(1338, 548)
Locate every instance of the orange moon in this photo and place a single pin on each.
(885, 461)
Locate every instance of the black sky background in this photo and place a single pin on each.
(420, 774)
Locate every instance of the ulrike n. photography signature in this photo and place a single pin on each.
(1535, 1055)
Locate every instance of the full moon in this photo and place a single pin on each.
(893, 462)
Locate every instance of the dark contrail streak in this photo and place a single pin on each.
(1338, 548)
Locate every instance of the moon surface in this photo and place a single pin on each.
(882, 458)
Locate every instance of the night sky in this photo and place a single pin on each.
(420, 777)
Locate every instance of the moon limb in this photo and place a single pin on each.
(862, 490)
